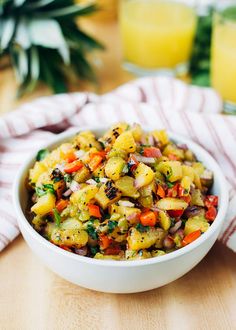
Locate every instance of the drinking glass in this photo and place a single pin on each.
(157, 35)
(223, 54)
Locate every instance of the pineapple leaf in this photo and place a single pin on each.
(8, 28)
(45, 43)
(38, 4)
(71, 11)
(22, 36)
(39, 28)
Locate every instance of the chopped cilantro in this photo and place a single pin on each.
(170, 185)
(142, 228)
(57, 217)
(46, 188)
(96, 178)
(91, 230)
(111, 226)
(93, 250)
(39, 191)
(49, 188)
(42, 154)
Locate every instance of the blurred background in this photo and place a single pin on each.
(109, 42)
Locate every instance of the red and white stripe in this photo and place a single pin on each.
(159, 102)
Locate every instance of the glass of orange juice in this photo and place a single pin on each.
(157, 35)
(223, 54)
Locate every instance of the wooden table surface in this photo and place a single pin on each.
(32, 297)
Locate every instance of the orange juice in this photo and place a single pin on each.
(223, 62)
(157, 33)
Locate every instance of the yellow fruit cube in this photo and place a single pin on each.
(44, 205)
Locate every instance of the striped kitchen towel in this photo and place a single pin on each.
(164, 102)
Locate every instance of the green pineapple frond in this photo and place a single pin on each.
(44, 42)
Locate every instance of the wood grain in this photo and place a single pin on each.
(33, 298)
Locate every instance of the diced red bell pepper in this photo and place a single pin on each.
(104, 241)
(148, 218)
(152, 152)
(160, 191)
(211, 200)
(191, 237)
(112, 250)
(70, 156)
(174, 191)
(94, 211)
(211, 213)
(173, 157)
(95, 162)
(61, 205)
(175, 213)
(73, 167)
(187, 198)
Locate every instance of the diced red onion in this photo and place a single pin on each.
(82, 251)
(175, 227)
(182, 146)
(79, 153)
(104, 180)
(192, 211)
(143, 140)
(145, 160)
(74, 186)
(67, 193)
(151, 140)
(168, 242)
(126, 203)
(180, 233)
(91, 181)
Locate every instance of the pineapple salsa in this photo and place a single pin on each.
(126, 195)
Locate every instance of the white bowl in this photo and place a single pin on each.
(121, 276)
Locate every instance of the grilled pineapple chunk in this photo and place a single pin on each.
(69, 237)
(44, 204)
(171, 169)
(196, 223)
(82, 175)
(125, 211)
(188, 171)
(126, 186)
(170, 203)
(114, 167)
(143, 175)
(137, 240)
(161, 136)
(116, 130)
(125, 142)
(82, 197)
(86, 140)
(107, 194)
(137, 131)
(171, 149)
(34, 173)
(164, 219)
